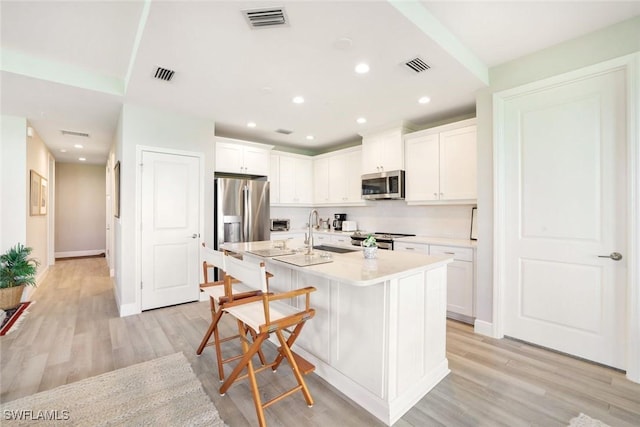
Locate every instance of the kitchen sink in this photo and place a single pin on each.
(334, 249)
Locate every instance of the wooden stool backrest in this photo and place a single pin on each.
(252, 275)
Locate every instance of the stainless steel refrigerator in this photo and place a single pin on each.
(241, 210)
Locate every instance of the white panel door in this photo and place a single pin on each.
(170, 225)
(565, 183)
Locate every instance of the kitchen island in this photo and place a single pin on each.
(379, 332)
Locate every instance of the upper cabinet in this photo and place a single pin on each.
(383, 151)
(337, 177)
(291, 179)
(441, 164)
(242, 157)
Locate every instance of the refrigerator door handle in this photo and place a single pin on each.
(246, 214)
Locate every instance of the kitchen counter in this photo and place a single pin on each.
(352, 268)
(462, 243)
(379, 332)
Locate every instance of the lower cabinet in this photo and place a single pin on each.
(460, 289)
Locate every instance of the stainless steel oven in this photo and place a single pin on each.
(383, 185)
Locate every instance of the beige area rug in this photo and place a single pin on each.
(160, 392)
(583, 420)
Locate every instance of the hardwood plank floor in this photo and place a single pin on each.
(73, 332)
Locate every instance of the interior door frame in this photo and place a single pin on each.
(140, 150)
(631, 65)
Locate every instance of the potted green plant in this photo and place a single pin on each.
(17, 270)
(370, 247)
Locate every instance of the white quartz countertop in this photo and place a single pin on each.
(462, 243)
(319, 231)
(352, 268)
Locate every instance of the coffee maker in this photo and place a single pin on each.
(337, 222)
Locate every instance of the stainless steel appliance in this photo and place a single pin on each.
(338, 219)
(383, 185)
(384, 240)
(280, 224)
(241, 211)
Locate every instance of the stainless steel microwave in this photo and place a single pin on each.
(383, 185)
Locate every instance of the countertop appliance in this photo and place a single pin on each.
(338, 219)
(280, 224)
(349, 226)
(384, 240)
(383, 185)
(241, 210)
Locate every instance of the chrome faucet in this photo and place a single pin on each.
(309, 238)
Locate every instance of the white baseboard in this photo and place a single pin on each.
(72, 254)
(483, 328)
(129, 310)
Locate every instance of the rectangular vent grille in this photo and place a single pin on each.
(417, 65)
(72, 133)
(164, 74)
(284, 131)
(267, 17)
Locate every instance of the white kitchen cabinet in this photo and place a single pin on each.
(411, 247)
(321, 180)
(441, 164)
(295, 180)
(236, 156)
(383, 151)
(337, 178)
(274, 178)
(459, 276)
(459, 279)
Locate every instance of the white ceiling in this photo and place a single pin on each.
(72, 65)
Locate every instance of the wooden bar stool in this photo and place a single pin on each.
(221, 292)
(263, 315)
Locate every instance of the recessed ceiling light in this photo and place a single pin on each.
(78, 145)
(361, 120)
(251, 124)
(63, 150)
(82, 159)
(310, 137)
(298, 100)
(424, 100)
(362, 68)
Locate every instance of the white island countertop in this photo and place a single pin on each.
(352, 268)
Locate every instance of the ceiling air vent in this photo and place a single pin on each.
(266, 17)
(417, 65)
(72, 133)
(164, 74)
(284, 131)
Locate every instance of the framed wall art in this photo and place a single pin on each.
(116, 190)
(34, 193)
(474, 224)
(44, 196)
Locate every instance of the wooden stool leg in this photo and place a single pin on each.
(212, 327)
(294, 367)
(290, 341)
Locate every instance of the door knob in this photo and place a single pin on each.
(194, 236)
(616, 256)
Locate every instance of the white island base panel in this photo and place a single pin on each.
(379, 332)
(382, 345)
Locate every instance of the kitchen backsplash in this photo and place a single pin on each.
(451, 221)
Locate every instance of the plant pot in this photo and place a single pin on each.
(10, 297)
(369, 252)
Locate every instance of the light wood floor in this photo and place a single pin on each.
(73, 332)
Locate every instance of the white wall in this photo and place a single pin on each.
(80, 210)
(37, 225)
(141, 126)
(617, 40)
(14, 181)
